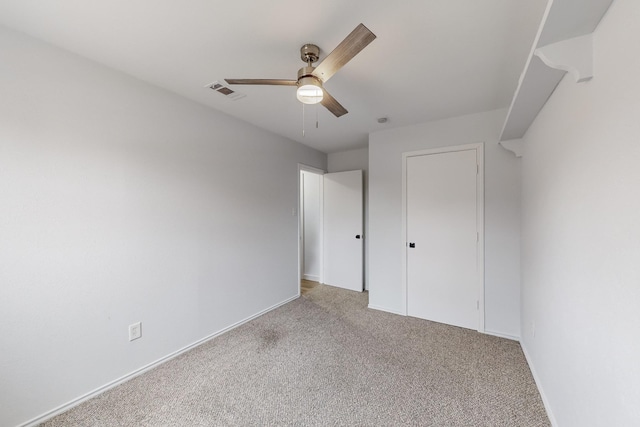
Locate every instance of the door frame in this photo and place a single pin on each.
(302, 167)
(479, 147)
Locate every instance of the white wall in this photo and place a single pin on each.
(121, 203)
(349, 160)
(502, 223)
(581, 236)
(311, 226)
(356, 160)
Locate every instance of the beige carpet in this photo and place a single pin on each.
(327, 360)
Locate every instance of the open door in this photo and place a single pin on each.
(343, 236)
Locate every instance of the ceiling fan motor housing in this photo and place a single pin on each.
(305, 75)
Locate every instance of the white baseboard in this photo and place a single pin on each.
(311, 277)
(545, 401)
(376, 307)
(501, 335)
(65, 407)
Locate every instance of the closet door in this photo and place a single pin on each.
(442, 237)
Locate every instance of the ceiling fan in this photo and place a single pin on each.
(310, 79)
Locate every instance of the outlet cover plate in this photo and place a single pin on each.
(135, 331)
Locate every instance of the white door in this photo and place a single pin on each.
(442, 237)
(343, 230)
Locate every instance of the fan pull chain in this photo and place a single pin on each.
(316, 116)
(303, 120)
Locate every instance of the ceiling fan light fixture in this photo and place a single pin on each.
(310, 79)
(309, 90)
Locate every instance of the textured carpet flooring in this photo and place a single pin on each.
(327, 360)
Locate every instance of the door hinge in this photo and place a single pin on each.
(477, 169)
(477, 305)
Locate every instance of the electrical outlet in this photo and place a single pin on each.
(135, 331)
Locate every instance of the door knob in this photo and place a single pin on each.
(357, 236)
(412, 245)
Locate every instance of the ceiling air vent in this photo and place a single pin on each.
(229, 93)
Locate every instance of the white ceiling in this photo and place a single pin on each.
(432, 59)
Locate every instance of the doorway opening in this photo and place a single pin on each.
(330, 228)
(310, 228)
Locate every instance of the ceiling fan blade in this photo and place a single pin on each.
(276, 82)
(346, 50)
(330, 103)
